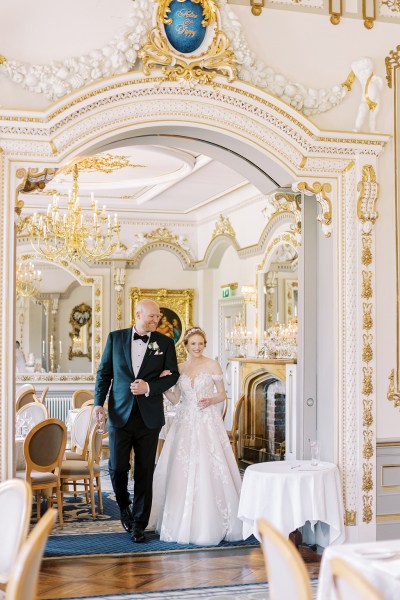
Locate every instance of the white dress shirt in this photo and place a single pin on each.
(138, 350)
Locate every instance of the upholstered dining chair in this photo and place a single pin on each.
(349, 584)
(24, 398)
(24, 387)
(35, 412)
(85, 473)
(15, 514)
(233, 434)
(24, 576)
(44, 448)
(80, 431)
(79, 397)
(286, 572)
(42, 397)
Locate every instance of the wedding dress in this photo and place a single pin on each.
(196, 483)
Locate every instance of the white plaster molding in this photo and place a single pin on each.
(58, 78)
(131, 100)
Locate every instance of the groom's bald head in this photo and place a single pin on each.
(147, 315)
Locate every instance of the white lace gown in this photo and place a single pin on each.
(197, 482)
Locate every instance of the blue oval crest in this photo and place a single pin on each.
(185, 33)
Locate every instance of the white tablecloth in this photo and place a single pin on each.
(383, 573)
(20, 463)
(290, 493)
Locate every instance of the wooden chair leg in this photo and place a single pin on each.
(38, 501)
(92, 502)
(99, 494)
(86, 484)
(60, 507)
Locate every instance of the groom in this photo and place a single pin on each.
(135, 356)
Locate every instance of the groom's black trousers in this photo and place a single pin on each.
(144, 442)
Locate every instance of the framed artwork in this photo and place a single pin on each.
(176, 308)
(291, 299)
(81, 334)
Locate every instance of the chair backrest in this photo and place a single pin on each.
(36, 411)
(80, 429)
(15, 514)
(24, 576)
(26, 397)
(44, 446)
(286, 572)
(95, 443)
(79, 397)
(23, 388)
(235, 426)
(44, 394)
(350, 584)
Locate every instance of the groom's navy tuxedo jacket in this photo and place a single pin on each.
(115, 370)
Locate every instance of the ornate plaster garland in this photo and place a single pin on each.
(58, 78)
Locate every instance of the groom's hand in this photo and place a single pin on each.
(139, 387)
(100, 414)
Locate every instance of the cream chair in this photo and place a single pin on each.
(85, 473)
(44, 448)
(286, 572)
(34, 413)
(79, 397)
(80, 431)
(24, 576)
(23, 388)
(15, 514)
(349, 584)
(26, 397)
(233, 434)
(43, 395)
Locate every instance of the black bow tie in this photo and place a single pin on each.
(144, 338)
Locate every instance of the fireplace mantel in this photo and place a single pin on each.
(246, 374)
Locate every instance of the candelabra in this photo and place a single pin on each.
(27, 280)
(74, 234)
(280, 341)
(239, 338)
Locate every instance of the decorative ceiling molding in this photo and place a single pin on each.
(59, 78)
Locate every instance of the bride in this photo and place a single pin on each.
(197, 482)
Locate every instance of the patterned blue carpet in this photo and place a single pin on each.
(253, 591)
(83, 536)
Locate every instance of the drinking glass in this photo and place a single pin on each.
(314, 449)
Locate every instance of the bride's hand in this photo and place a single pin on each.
(205, 402)
(165, 373)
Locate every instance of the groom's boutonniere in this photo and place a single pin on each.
(154, 348)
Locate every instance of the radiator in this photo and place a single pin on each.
(58, 407)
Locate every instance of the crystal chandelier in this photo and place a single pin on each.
(27, 280)
(237, 340)
(280, 341)
(74, 233)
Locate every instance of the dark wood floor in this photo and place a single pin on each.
(78, 577)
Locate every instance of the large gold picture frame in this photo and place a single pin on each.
(176, 307)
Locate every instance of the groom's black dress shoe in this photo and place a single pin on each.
(138, 535)
(127, 519)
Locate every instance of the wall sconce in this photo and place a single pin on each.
(249, 294)
(256, 7)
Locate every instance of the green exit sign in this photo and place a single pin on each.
(228, 289)
(226, 292)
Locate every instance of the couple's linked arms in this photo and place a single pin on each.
(174, 395)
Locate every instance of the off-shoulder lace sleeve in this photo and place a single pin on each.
(217, 377)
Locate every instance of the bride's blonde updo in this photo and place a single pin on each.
(194, 331)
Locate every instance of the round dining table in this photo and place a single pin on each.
(293, 494)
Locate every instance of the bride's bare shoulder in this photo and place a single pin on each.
(182, 367)
(214, 366)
